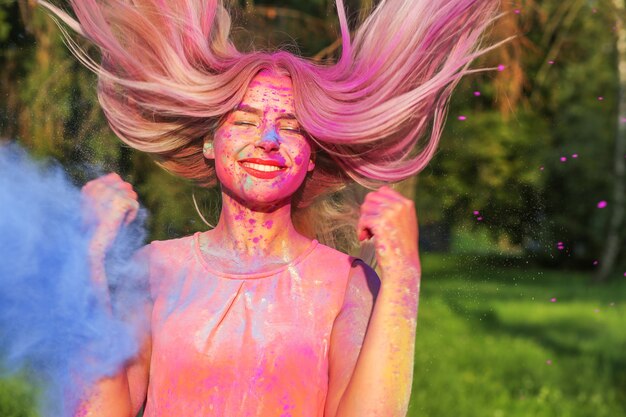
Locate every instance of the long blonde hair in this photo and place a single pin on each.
(169, 72)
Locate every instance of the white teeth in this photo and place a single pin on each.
(259, 167)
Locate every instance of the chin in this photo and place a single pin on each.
(257, 199)
(279, 198)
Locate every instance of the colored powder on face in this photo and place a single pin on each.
(272, 136)
(53, 326)
(248, 184)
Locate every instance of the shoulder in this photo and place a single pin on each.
(166, 259)
(329, 256)
(171, 245)
(169, 253)
(358, 270)
(363, 285)
(361, 280)
(335, 265)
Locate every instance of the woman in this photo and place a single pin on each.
(256, 317)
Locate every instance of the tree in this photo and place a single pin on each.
(616, 221)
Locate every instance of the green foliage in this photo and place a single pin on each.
(5, 25)
(583, 124)
(510, 168)
(17, 399)
(491, 343)
(489, 164)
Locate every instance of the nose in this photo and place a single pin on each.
(270, 141)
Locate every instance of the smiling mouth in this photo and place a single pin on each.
(263, 169)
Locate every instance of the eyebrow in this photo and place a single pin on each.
(249, 109)
(253, 110)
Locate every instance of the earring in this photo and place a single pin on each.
(208, 146)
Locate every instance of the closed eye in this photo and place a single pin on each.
(244, 123)
(291, 129)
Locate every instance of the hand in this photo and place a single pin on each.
(391, 219)
(109, 203)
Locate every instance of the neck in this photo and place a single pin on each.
(263, 231)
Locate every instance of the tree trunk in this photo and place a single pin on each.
(616, 221)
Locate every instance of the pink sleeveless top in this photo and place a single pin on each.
(241, 345)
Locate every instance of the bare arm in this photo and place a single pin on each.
(378, 374)
(381, 382)
(123, 394)
(109, 203)
(349, 331)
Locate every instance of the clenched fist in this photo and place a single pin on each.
(391, 219)
(109, 203)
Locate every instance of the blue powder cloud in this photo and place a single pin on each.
(52, 324)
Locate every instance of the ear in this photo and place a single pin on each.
(207, 149)
(311, 162)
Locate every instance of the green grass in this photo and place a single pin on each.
(486, 331)
(16, 399)
(492, 343)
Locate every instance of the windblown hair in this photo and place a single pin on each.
(169, 73)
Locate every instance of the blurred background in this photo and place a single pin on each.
(523, 309)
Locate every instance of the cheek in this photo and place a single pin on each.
(224, 167)
(302, 154)
(225, 144)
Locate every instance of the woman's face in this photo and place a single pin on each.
(261, 155)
